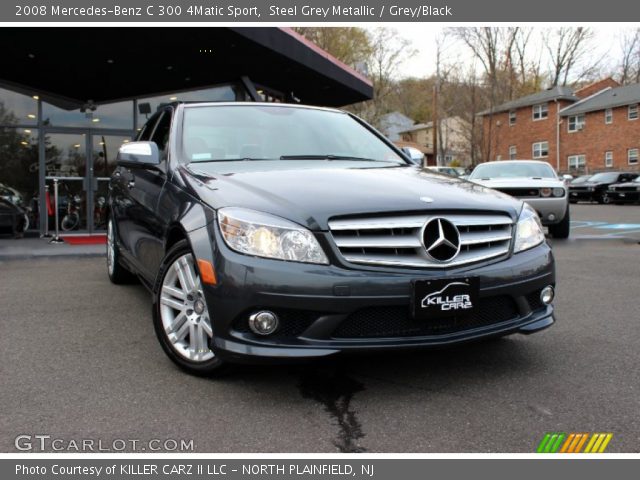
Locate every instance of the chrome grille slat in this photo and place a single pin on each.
(397, 240)
(379, 241)
(415, 221)
(475, 238)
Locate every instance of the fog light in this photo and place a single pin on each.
(547, 294)
(263, 322)
(551, 217)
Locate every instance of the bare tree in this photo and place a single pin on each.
(569, 50)
(388, 51)
(630, 62)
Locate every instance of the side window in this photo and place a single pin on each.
(147, 129)
(161, 132)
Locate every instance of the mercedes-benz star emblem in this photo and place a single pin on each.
(441, 239)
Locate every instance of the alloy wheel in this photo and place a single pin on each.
(110, 248)
(183, 311)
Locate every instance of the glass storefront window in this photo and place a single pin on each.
(18, 109)
(223, 93)
(111, 115)
(19, 171)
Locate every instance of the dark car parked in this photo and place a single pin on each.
(14, 219)
(627, 192)
(280, 232)
(595, 188)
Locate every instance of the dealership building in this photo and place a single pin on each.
(70, 97)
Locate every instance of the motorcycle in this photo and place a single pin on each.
(71, 219)
(100, 213)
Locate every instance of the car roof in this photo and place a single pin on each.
(260, 104)
(517, 161)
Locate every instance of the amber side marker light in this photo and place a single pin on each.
(207, 273)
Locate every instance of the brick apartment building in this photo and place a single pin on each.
(593, 129)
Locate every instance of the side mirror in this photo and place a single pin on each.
(567, 177)
(138, 154)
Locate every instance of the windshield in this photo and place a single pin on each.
(265, 132)
(604, 177)
(581, 179)
(512, 170)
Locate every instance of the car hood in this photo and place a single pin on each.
(590, 184)
(310, 196)
(520, 183)
(625, 184)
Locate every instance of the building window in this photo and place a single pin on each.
(498, 157)
(632, 156)
(608, 116)
(577, 162)
(576, 123)
(633, 112)
(608, 159)
(512, 118)
(512, 152)
(540, 112)
(540, 149)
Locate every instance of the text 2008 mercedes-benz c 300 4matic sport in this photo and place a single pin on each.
(272, 232)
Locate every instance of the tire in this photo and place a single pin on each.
(118, 274)
(70, 222)
(561, 230)
(180, 314)
(604, 199)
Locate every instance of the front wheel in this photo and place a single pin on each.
(562, 229)
(181, 316)
(70, 222)
(117, 273)
(604, 198)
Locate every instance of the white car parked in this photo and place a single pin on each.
(534, 182)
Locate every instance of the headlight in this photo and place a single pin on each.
(263, 235)
(545, 192)
(591, 189)
(558, 192)
(528, 231)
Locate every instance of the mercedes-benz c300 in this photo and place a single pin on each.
(280, 232)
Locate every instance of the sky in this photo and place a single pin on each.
(423, 36)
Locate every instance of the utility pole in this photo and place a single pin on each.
(434, 119)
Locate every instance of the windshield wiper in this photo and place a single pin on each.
(328, 157)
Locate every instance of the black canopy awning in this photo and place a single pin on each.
(68, 66)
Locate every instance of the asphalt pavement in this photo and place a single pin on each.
(79, 360)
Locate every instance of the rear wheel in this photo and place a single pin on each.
(118, 274)
(562, 229)
(180, 314)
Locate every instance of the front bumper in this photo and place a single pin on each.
(624, 196)
(583, 195)
(328, 309)
(551, 210)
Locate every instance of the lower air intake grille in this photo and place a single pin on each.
(396, 321)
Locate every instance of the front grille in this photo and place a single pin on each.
(396, 240)
(292, 321)
(626, 189)
(521, 192)
(578, 189)
(396, 321)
